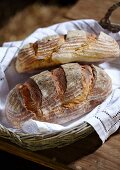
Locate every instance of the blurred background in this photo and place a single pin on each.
(19, 18)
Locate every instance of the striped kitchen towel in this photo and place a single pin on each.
(105, 118)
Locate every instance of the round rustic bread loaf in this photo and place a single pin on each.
(58, 96)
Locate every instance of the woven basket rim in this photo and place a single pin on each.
(40, 142)
(105, 21)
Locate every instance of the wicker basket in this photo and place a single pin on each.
(39, 142)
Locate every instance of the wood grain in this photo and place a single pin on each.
(105, 157)
(88, 153)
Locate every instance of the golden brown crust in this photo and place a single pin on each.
(60, 80)
(59, 95)
(76, 46)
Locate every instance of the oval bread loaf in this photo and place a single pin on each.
(76, 46)
(59, 95)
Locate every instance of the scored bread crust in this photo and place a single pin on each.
(58, 96)
(75, 46)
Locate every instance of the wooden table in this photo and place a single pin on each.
(88, 153)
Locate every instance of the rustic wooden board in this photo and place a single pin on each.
(88, 153)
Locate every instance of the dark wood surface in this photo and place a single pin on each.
(88, 153)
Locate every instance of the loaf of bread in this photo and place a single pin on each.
(58, 95)
(76, 46)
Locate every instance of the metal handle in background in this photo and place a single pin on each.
(105, 22)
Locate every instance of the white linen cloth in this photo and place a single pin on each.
(105, 118)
